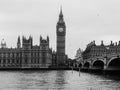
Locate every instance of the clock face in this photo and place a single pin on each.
(60, 29)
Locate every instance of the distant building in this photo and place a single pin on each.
(94, 51)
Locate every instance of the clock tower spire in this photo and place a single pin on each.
(61, 19)
(61, 33)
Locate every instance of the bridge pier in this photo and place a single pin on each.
(105, 66)
(90, 67)
(105, 63)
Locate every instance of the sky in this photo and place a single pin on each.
(86, 20)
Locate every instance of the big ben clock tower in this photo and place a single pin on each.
(61, 33)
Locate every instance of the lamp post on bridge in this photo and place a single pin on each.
(106, 58)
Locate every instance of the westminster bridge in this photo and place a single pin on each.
(104, 63)
(102, 57)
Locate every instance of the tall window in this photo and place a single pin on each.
(43, 57)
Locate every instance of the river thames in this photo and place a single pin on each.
(55, 80)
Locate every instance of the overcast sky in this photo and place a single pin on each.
(86, 20)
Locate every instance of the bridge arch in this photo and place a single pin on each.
(98, 60)
(98, 64)
(76, 65)
(86, 65)
(80, 65)
(113, 64)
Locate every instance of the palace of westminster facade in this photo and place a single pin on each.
(39, 56)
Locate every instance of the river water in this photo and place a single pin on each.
(55, 80)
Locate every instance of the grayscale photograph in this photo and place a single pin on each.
(59, 44)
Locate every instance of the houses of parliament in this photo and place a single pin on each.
(26, 55)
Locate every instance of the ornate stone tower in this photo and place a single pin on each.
(45, 59)
(61, 33)
(18, 43)
(26, 51)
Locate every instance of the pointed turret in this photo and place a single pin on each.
(102, 44)
(40, 38)
(61, 19)
(31, 40)
(3, 44)
(61, 14)
(48, 38)
(18, 42)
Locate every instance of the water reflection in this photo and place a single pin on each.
(60, 80)
(55, 80)
(36, 80)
